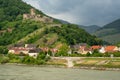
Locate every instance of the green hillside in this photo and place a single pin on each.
(90, 29)
(110, 32)
(42, 31)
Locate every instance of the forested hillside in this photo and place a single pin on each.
(110, 32)
(14, 29)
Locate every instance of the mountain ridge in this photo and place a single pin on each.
(90, 29)
(110, 32)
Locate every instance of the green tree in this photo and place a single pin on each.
(28, 60)
(63, 51)
(3, 50)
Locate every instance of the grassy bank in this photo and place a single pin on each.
(98, 62)
(58, 62)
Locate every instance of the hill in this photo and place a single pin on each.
(20, 22)
(90, 29)
(110, 32)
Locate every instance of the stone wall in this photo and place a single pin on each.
(37, 17)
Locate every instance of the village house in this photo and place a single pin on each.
(111, 49)
(81, 48)
(34, 52)
(54, 51)
(45, 49)
(30, 46)
(85, 50)
(102, 50)
(96, 47)
(105, 49)
(75, 48)
(18, 50)
(119, 48)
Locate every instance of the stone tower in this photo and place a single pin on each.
(32, 11)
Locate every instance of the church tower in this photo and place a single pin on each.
(32, 12)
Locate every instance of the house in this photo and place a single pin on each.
(84, 50)
(75, 48)
(18, 50)
(119, 48)
(111, 49)
(81, 48)
(69, 51)
(34, 52)
(105, 49)
(30, 46)
(54, 51)
(96, 47)
(102, 50)
(45, 49)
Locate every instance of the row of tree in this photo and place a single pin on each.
(42, 58)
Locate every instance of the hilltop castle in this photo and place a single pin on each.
(37, 17)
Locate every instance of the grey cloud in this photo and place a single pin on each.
(85, 12)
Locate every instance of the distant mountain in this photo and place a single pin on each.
(90, 29)
(110, 32)
(22, 23)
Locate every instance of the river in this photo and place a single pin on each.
(13, 72)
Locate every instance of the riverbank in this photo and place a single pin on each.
(93, 63)
(65, 67)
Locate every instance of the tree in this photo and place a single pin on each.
(63, 51)
(3, 50)
(28, 60)
(42, 58)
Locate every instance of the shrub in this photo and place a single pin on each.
(28, 60)
(4, 60)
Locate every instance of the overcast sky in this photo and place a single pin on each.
(83, 12)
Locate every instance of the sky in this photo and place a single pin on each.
(82, 12)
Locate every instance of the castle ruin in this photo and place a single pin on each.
(37, 17)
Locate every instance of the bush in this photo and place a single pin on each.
(41, 59)
(3, 50)
(39, 62)
(4, 60)
(116, 54)
(14, 58)
(28, 60)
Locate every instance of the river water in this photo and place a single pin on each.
(13, 72)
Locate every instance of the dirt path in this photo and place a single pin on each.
(70, 62)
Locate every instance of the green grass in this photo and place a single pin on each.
(99, 62)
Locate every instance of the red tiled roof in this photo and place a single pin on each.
(110, 48)
(85, 48)
(95, 47)
(18, 50)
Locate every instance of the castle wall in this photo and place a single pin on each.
(37, 17)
